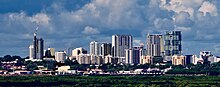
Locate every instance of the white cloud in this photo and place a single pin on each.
(90, 30)
(164, 24)
(208, 7)
(137, 42)
(107, 17)
(41, 18)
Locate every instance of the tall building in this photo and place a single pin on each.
(106, 49)
(35, 45)
(31, 52)
(133, 55)
(155, 45)
(95, 48)
(60, 56)
(38, 47)
(119, 44)
(173, 43)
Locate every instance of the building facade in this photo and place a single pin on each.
(178, 60)
(155, 45)
(146, 59)
(119, 44)
(95, 48)
(106, 49)
(77, 51)
(132, 56)
(38, 47)
(60, 56)
(173, 42)
(31, 52)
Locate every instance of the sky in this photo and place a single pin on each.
(67, 24)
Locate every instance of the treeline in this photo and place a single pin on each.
(111, 81)
(209, 69)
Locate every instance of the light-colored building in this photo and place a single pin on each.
(196, 59)
(155, 46)
(60, 56)
(77, 51)
(63, 69)
(52, 51)
(119, 44)
(31, 52)
(84, 58)
(95, 48)
(146, 59)
(96, 59)
(178, 60)
(108, 59)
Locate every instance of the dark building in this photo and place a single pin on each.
(173, 43)
(38, 47)
(188, 59)
(35, 45)
(106, 49)
(48, 54)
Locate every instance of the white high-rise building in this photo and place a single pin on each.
(31, 52)
(60, 56)
(95, 48)
(119, 44)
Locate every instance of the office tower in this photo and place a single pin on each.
(40, 48)
(155, 46)
(95, 48)
(60, 56)
(106, 49)
(132, 56)
(31, 52)
(173, 43)
(119, 44)
(178, 60)
(35, 45)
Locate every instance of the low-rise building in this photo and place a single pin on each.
(146, 59)
(179, 60)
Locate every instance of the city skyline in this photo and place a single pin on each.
(64, 24)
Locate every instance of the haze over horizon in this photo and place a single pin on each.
(66, 23)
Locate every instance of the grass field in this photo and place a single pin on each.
(113, 81)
